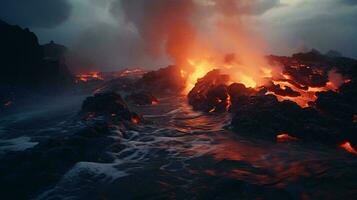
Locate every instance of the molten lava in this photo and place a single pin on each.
(285, 137)
(154, 102)
(92, 76)
(348, 147)
(135, 120)
(201, 67)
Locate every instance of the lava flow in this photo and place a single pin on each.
(297, 83)
(348, 147)
(92, 76)
(285, 137)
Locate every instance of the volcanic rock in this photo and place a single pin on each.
(142, 98)
(286, 91)
(333, 54)
(265, 116)
(210, 93)
(307, 75)
(341, 106)
(43, 165)
(311, 56)
(23, 63)
(108, 104)
(163, 81)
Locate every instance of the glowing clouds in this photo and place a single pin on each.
(199, 34)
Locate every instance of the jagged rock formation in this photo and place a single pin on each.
(25, 63)
(162, 81)
(142, 98)
(109, 105)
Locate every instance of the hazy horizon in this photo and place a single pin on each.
(100, 30)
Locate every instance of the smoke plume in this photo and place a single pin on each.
(199, 35)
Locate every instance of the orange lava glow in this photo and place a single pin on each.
(229, 103)
(154, 102)
(348, 147)
(202, 67)
(135, 120)
(285, 137)
(212, 110)
(307, 94)
(88, 77)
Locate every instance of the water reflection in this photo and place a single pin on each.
(205, 149)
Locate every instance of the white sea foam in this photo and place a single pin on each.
(17, 144)
(81, 177)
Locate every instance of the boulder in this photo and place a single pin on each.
(23, 62)
(210, 93)
(108, 104)
(163, 81)
(266, 117)
(142, 98)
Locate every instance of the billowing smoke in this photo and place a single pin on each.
(196, 35)
(335, 78)
(163, 24)
(199, 35)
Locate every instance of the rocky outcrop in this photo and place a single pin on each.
(142, 98)
(265, 116)
(24, 63)
(331, 120)
(212, 93)
(163, 81)
(109, 105)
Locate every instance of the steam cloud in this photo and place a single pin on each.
(196, 31)
(160, 32)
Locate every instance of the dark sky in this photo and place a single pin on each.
(97, 29)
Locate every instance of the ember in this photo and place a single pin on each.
(135, 120)
(348, 147)
(285, 137)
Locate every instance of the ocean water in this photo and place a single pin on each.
(184, 154)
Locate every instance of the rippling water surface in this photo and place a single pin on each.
(185, 154)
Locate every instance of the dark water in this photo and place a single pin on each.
(185, 154)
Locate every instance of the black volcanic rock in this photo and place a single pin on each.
(307, 75)
(237, 92)
(286, 91)
(333, 54)
(54, 51)
(342, 107)
(163, 81)
(311, 56)
(265, 116)
(108, 104)
(36, 169)
(210, 93)
(142, 98)
(22, 61)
